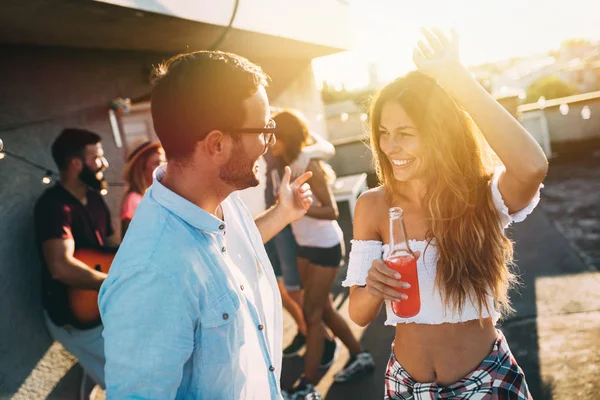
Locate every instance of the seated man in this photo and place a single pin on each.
(71, 216)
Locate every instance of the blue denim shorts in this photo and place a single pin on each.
(282, 254)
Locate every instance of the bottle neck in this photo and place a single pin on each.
(398, 240)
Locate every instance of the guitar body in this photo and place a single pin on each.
(84, 303)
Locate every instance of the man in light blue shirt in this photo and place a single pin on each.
(191, 308)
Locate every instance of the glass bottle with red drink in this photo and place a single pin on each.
(402, 260)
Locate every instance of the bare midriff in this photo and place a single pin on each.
(443, 353)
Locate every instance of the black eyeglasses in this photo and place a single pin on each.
(268, 132)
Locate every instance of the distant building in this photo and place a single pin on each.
(577, 65)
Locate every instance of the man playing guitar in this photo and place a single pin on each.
(69, 217)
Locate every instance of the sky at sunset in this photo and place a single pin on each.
(384, 32)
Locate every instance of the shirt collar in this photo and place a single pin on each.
(184, 209)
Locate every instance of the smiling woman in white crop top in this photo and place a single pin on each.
(430, 132)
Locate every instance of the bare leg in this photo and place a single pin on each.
(303, 270)
(292, 307)
(303, 265)
(297, 296)
(340, 328)
(317, 286)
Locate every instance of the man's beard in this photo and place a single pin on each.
(88, 177)
(239, 170)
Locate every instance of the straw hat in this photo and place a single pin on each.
(137, 151)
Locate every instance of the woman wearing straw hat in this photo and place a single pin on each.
(141, 163)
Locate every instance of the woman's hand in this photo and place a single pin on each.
(382, 280)
(437, 56)
(525, 161)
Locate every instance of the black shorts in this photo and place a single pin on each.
(324, 257)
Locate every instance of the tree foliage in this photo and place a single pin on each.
(550, 87)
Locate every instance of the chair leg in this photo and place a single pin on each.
(82, 386)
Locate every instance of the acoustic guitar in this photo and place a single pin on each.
(83, 302)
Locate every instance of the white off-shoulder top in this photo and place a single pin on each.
(433, 310)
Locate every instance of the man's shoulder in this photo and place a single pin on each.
(157, 243)
(51, 199)
(52, 193)
(156, 236)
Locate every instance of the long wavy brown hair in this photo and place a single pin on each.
(474, 254)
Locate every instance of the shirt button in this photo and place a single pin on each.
(271, 368)
(221, 227)
(225, 316)
(223, 249)
(242, 287)
(261, 327)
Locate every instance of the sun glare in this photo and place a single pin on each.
(385, 31)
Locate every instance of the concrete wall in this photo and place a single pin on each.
(560, 132)
(572, 127)
(43, 91)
